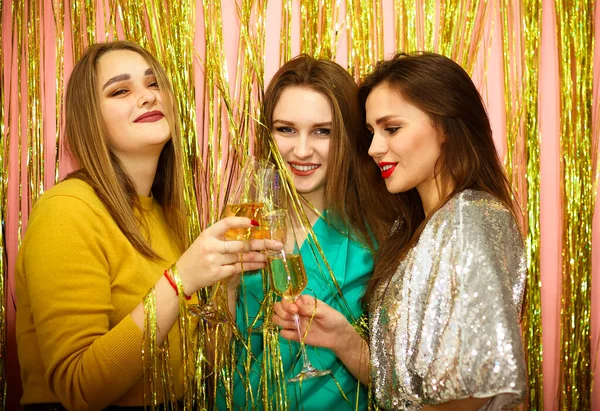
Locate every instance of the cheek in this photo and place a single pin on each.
(404, 148)
(284, 145)
(323, 149)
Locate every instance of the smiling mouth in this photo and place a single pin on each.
(387, 169)
(303, 170)
(149, 117)
(304, 167)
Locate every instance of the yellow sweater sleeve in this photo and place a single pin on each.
(88, 365)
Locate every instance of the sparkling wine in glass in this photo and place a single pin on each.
(252, 191)
(288, 280)
(271, 227)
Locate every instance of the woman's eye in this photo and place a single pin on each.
(154, 84)
(284, 130)
(323, 131)
(118, 92)
(392, 130)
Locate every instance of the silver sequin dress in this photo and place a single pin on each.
(447, 324)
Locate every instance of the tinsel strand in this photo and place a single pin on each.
(35, 146)
(575, 31)
(285, 42)
(59, 21)
(532, 313)
(151, 353)
(218, 165)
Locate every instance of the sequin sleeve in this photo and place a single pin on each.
(480, 353)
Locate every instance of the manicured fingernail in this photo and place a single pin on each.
(254, 223)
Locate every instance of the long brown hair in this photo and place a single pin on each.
(444, 91)
(87, 143)
(354, 196)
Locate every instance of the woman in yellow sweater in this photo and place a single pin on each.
(113, 230)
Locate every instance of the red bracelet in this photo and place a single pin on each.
(170, 280)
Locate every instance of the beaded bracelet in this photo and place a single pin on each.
(170, 280)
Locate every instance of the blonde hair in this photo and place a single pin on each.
(87, 143)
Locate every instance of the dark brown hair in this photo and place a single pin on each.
(444, 91)
(87, 143)
(354, 196)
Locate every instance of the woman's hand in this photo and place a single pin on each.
(212, 257)
(328, 327)
(255, 245)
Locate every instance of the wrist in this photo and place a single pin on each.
(347, 339)
(183, 272)
(176, 282)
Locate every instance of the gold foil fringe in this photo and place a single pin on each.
(532, 325)
(575, 31)
(415, 29)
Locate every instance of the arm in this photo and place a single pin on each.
(329, 329)
(88, 362)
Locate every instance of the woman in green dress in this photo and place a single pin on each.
(312, 116)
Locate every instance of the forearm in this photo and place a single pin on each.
(167, 309)
(115, 356)
(353, 351)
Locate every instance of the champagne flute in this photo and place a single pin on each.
(252, 190)
(271, 228)
(288, 280)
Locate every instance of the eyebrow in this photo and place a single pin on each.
(385, 118)
(124, 77)
(291, 123)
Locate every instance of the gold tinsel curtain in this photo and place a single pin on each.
(40, 40)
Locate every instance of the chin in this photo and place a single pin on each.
(396, 188)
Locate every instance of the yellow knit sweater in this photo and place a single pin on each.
(77, 280)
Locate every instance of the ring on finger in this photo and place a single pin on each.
(226, 246)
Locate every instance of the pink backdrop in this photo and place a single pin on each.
(490, 83)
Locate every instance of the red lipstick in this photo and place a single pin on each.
(388, 170)
(149, 117)
(303, 169)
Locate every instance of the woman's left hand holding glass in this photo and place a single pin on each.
(329, 329)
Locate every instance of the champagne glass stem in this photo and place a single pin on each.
(307, 363)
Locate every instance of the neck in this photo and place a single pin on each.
(431, 195)
(316, 200)
(142, 172)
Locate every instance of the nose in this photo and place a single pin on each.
(303, 147)
(378, 146)
(147, 97)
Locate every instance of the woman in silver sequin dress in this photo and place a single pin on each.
(446, 295)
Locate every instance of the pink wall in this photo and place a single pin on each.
(489, 78)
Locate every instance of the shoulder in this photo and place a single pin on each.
(486, 241)
(476, 224)
(479, 210)
(70, 196)
(70, 204)
(67, 217)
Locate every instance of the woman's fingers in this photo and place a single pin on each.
(284, 322)
(289, 334)
(232, 246)
(219, 228)
(307, 305)
(285, 310)
(266, 244)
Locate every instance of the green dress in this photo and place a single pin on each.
(352, 264)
